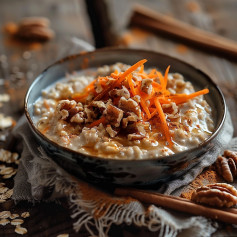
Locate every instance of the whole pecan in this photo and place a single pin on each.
(223, 169)
(34, 28)
(226, 165)
(218, 195)
(231, 154)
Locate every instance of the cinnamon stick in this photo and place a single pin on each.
(228, 215)
(151, 20)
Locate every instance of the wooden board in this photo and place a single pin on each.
(69, 18)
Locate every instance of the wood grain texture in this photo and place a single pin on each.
(68, 18)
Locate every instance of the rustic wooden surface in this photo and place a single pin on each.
(68, 19)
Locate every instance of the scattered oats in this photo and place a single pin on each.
(8, 176)
(13, 216)
(63, 235)
(3, 190)
(4, 97)
(5, 121)
(25, 214)
(20, 230)
(3, 196)
(6, 170)
(17, 222)
(4, 221)
(5, 214)
(9, 193)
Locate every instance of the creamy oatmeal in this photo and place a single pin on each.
(125, 112)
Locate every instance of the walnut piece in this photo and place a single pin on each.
(71, 110)
(218, 195)
(147, 86)
(114, 115)
(130, 105)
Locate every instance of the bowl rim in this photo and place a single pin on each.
(109, 49)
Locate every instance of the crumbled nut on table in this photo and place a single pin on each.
(6, 217)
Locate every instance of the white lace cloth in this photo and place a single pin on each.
(37, 174)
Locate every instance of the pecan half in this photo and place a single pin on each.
(34, 28)
(226, 165)
(218, 195)
(223, 169)
(231, 154)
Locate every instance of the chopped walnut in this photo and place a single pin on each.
(89, 114)
(114, 115)
(146, 86)
(120, 92)
(98, 106)
(130, 118)
(64, 106)
(110, 131)
(137, 98)
(219, 195)
(138, 127)
(130, 105)
(78, 118)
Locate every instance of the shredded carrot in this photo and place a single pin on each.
(152, 73)
(182, 98)
(130, 70)
(97, 122)
(150, 104)
(78, 97)
(45, 130)
(141, 69)
(130, 83)
(144, 106)
(162, 81)
(90, 88)
(166, 76)
(120, 79)
(163, 122)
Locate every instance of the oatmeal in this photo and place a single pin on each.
(125, 112)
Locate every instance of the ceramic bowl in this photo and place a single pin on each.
(125, 172)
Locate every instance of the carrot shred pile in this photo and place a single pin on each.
(151, 104)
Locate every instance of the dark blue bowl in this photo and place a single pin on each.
(125, 172)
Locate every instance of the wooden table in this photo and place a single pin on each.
(71, 19)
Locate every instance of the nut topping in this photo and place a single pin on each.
(218, 195)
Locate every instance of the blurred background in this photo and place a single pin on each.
(34, 34)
